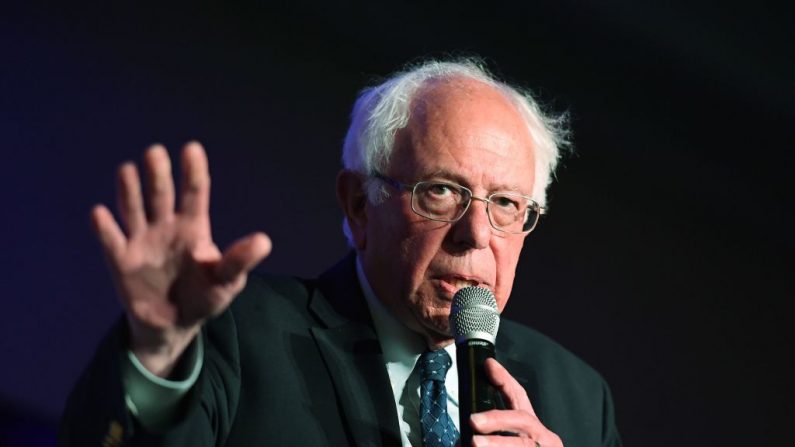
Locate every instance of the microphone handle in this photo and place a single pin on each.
(475, 392)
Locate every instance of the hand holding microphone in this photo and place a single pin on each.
(474, 321)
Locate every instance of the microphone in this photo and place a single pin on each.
(474, 321)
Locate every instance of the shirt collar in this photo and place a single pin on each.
(398, 343)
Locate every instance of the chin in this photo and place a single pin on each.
(437, 339)
(437, 326)
(442, 327)
(432, 319)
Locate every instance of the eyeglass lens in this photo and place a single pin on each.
(448, 202)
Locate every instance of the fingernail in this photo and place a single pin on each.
(478, 418)
(480, 440)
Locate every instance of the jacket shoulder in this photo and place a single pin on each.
(570, 397)
(544, 354)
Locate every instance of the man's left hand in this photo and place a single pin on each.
(520, 418)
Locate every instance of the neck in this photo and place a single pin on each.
(437, 341)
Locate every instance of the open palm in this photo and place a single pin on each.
(169, 273)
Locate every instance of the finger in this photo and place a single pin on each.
(545, 439)
(160, 183)
(481, 441)
(508, 386)
(195, 199)
(512, 421)
(242, 256)
(130, 201)
(107, 230)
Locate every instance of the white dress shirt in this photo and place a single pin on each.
(402, 348)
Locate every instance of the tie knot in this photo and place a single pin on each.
(434, 365)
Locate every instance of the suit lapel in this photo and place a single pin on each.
(353, 357)
(352, 353)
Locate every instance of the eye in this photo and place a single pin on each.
(506, 203)
(440, 190)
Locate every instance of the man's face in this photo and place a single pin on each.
(467, 133)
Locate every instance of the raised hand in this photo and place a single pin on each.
(170, 275)
(520, 418)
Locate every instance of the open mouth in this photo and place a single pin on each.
(451, 284)
(460, 283)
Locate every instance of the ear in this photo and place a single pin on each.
(352, 199)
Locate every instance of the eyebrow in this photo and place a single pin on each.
(452, 176)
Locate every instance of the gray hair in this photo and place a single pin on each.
(380, 111)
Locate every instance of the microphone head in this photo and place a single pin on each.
(474, 315)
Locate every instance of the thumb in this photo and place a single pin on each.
(242, 256)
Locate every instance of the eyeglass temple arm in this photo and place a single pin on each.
(391, 181)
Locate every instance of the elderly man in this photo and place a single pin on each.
(445, 175)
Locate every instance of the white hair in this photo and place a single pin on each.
(380, 111)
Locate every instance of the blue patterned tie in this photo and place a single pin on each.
(438, 429)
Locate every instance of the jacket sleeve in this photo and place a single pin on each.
(155, 401)
(97, 414)
(610, 435)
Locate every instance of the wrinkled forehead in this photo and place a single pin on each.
(467, 127)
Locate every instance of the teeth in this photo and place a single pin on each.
(461, 283)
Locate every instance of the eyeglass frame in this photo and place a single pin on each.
(487, 200)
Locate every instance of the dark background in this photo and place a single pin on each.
(663, 262)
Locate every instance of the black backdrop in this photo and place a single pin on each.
(662, 263)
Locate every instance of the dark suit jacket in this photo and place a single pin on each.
(296, 362)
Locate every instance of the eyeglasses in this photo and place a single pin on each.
(447, 202)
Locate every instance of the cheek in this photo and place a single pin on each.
(404, 244)
(420, 246)
(385, 227)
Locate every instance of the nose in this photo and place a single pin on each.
(473, 230)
